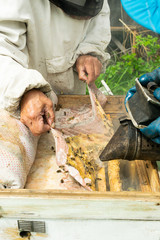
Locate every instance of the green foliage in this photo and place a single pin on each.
(122, 71)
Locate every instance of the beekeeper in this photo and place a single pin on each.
(147, 14)
(45, 48)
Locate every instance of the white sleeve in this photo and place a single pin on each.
(98, 35)
(15, 77)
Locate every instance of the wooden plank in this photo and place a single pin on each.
(101, 180)
(114, 105)
(133, 177)
(152, 171)
(72, 205)
(65, 194)
(86, 229)
(114, 176)
(143, 176)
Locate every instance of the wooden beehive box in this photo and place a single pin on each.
(128, 195)
(120, 175)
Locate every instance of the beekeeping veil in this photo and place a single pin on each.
(80, 8)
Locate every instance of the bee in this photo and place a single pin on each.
(67, 140)
(87, 169)
(88, 137)
(58, 107)
(71, 118)
(89, 184)
(104, 115)
(62, 166)
(92, 169)
(98, 178)
(62, 181)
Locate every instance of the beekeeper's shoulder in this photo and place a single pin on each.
(20, 9)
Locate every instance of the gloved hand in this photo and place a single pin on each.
(144, 80)
(152, 131)
(37, 112)
(88, 68)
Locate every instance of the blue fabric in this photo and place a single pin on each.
(144, 12)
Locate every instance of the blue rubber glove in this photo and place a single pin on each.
(130, 94)
(144, 80)
(152, 131)
(150, 77)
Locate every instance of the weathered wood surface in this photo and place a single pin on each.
(114, 106)
(76, 215)
(62, 204)
(85, 230)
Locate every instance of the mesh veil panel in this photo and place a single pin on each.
(84, 8)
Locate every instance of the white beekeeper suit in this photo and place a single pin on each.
(39, 45)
